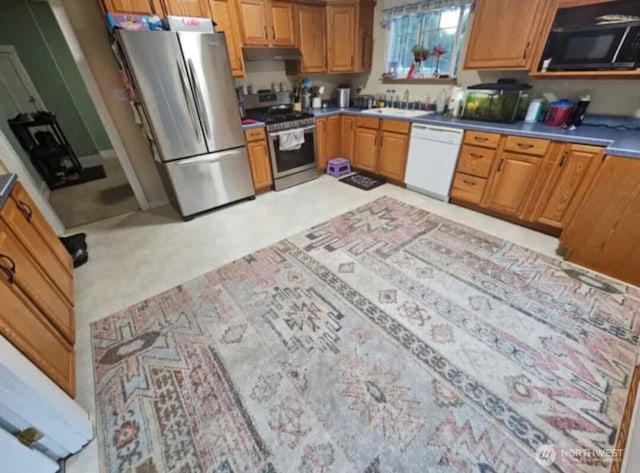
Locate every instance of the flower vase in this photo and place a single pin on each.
(436, 69)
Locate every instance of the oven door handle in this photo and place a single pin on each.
(278, 133)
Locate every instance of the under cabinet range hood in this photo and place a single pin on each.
(256, 54)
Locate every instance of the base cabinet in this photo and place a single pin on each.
(348, 124)
(603, 233)
(36, 290)
(366, 149)
(328, 136)
(531, 181)
(259, 160)
(572, 171)
(511, 183)
(392, 160)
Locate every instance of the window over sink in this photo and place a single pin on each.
(426, 36)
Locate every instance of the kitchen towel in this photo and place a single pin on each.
(291, 140)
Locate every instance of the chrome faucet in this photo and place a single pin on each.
(406, 99)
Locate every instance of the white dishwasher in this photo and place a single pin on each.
(433, 154)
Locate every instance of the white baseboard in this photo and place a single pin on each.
(90, 160)
(159, 203)
(108, 154)
(45, 191)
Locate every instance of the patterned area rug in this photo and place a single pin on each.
(385, 340)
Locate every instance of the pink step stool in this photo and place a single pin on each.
(338, 167)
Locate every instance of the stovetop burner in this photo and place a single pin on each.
(281, 118)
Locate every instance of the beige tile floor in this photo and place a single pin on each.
(137, 255)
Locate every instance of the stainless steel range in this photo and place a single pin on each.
(290, 165)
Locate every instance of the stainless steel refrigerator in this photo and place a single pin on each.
(187, 91)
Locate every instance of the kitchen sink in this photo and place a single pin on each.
(396, 112)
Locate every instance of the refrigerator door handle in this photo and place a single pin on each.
(208, 158)
(202, 109)
(192, 114)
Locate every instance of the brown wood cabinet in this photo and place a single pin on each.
(505, 34)
(531, 181)
(341, 38)
(364, 43)
(226, 18)
(348, 137)
(511, 183)
(392, 160)
(603, 234)
(328, 134)
(30, 332)
(366, 149)
(138, 7)
(259, 159)
(311, 38)
(266, 23)
(567, 175)
(36, 290)
(195, 8)
(282, 30)
(253, 22)
(380, 146)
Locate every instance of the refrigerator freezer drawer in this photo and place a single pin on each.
(211, 180)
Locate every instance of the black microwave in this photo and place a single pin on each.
(602, 47)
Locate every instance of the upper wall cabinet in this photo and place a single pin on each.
(225, 16)
(505, 34)
(266, 23)
(138, 7)
(311, 38)
(195, 8)
(341, 37)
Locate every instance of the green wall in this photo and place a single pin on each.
(67, 66)
(32, 29)
(7, 109)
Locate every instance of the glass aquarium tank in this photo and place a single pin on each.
(504, 102)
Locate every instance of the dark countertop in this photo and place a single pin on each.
(7, 181)
(251, 126)
(624, 143)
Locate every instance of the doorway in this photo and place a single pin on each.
(48, 117)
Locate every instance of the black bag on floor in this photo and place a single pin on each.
(76, 245)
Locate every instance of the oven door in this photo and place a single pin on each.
(285, 163)
(585, 49)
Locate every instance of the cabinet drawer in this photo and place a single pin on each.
(255, 134)
(28, 330)
(532, 146)
(476, 161)
(396, 126)
(365, 122)
(26, 232)
(40, 224)
(480, 138)
(468, 188)
(34, 283)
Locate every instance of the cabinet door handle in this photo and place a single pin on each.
(480, 138)
(476, 156)
(564, 158)
(26, 210)
(526, 50)
(10, 270)
(525, 145)
(273, 30)
(500, 165)
(266, 34)
(469, 183)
